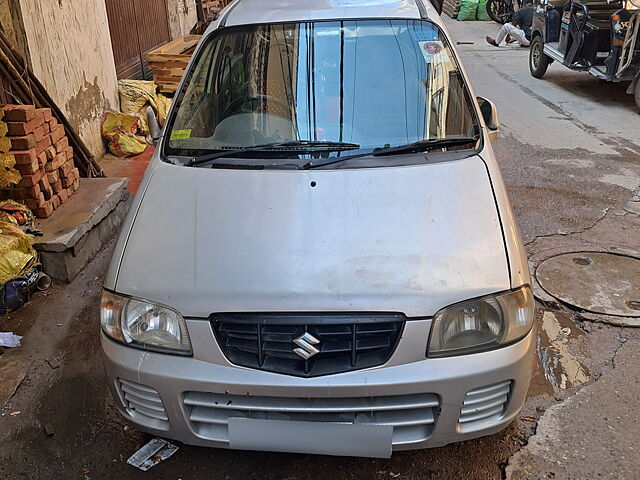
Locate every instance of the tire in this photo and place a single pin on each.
(500, 11)
(538, 61)
(636, 93)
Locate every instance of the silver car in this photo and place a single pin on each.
(322, 257)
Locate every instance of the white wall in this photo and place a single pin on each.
(182, 17)
(70, 51)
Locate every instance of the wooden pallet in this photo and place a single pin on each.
(451, 8)
(169, 62)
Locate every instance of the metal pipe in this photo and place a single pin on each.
(43, 282)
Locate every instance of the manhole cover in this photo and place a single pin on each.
(593, 281)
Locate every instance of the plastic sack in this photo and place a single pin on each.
(164, 103)
(481, 12)
(120, 130)
(15, 293)
(468, 10)
(9, 176)
(17, 256)
(135, 95)
(16, 214)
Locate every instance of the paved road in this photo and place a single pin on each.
(570, 142)
(569, 154)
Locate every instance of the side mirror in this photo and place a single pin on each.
(490, 115)
(154, 127)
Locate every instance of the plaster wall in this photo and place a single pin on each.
(6, 20)
(11, 24)
(70, 52)
(182, 17)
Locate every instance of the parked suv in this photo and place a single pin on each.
(322, 256)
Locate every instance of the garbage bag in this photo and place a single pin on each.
(120, 130)
(16, 213)
(468, 10)
(15, 293)
(481, 12)
(7, 160)
(9, 176)
(135, 95)
(164, 103)
(17, 255)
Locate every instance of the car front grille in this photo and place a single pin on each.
(337, 343)
(412, 416)
(485, 404)
(143, 403)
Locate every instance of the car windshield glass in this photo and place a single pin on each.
(372, 83)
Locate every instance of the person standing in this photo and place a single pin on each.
(518, 29)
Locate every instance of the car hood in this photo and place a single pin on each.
(404, 239)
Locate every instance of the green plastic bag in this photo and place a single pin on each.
(468, 9)
(481, 13)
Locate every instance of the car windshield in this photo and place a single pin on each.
(366, 83)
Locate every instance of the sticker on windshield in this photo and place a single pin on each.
(181, 134)
(432, 50)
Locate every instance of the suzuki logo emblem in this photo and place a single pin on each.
(306, 344)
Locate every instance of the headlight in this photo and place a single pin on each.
(481, 324)
(143, 325)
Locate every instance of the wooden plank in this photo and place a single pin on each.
(165, 65)
(168, 73)
(178, 45)
(155, 57)
(168, 62)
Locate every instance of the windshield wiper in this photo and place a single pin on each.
(311, 144)
(322, 162)
(420, 146)
(424, 145)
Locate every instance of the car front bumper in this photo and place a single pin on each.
(193, 400)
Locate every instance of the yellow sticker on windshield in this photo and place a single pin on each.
(181, 134)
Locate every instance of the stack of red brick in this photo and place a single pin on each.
(43, 158)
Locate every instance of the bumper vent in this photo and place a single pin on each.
(412, 416)
(486, 403)
(338, 343)
(143, 404)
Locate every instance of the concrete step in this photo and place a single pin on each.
(79, 229)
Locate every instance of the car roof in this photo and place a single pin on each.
(243, 12)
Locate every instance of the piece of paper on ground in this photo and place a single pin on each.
(154, 452)
(8, 339)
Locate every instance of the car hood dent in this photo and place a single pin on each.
(409, 239)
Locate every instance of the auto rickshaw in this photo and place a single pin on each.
(596, 36)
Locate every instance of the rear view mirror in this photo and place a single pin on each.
(154, 127)
(490, 116)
